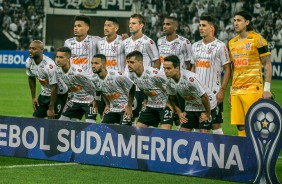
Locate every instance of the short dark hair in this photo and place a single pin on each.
(138, 55)
(208, 18)
(65, 50)
(140, 17)
(83, 18)
(101, 56)
(113, 19)
(172, 18)
(246, 16)
(174, 59)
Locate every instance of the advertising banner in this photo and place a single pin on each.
(15, 59)
(250, 159)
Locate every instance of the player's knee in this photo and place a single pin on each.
(90, 121)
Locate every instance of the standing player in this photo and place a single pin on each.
(200, 102)
(142, 43)
(112, 46)
(152, 82)
(209, 58)
(80, 84)
(117, 89)
(173, 44)
(248, 52)
(83, 46)
(53, 95)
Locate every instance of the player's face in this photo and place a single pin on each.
(169, 26)
(97, 65)
(62, 59)
(135, 26)
(35, 50)
(80, 28)
(205, 29)
(110, 28)
(133, 64)
(240, 24)
(170, 70)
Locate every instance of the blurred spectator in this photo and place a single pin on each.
(277, 38)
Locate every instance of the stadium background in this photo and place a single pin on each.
(54, 25)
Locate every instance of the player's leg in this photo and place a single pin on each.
(111, 118)
(147, 118)
(72, 112)
(137, 104)
(206, 126)
(166, 117)
(237, 114)
(41, 110)
(193, 121)
(216, 126)
(90, 116)
(60, 104)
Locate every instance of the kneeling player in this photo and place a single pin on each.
(152, 82)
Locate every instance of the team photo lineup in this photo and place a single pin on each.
(132, 80)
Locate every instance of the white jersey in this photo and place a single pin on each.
(83, 52)
(209, 60)
(115, 87)
(181, 47)
(146, 46)
(153, 83)
(79, 83)
(114, 53)
(45, 72)
(191, 89)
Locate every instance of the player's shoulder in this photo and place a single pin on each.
(48, 60)
(70, 40)
(162, 39)
(254, 35)
(197, 43)
(127, 40)
(234, 39)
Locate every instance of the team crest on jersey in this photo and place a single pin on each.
(51, 66)
(248, 46)
(191, 79)
(79, 70)
(187, 42)
(152, 42)
(155, 71)
(114, 48)
(85, 47)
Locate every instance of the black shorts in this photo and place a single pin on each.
(116, 118)
(44, 102)
(137, 104)
(155, 116)
(193, 120)
(219, 115)
(77, 110)
(181, 105)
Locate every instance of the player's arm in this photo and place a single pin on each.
(267, 75)
(128, 109)
(206, 102)
(54, 92)
(157, 63)
(225, 80)
(32, 87)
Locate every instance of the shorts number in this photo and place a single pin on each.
(168, 114)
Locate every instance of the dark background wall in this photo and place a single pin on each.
(60, 27)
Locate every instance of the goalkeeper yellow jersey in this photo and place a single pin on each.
(247, 67)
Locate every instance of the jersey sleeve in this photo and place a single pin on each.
(28, 66)
(124, 82)
(198, 85)
(52, 74)
(152, 50)
(187, 50)
(193, 58)
(262, 46)
(223, 55)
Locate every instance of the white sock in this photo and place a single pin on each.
(196, 130)
(218, 131)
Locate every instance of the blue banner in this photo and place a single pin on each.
(276, 59)
(232, 158)
(16, 59)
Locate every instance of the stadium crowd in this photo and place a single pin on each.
(23, 19)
